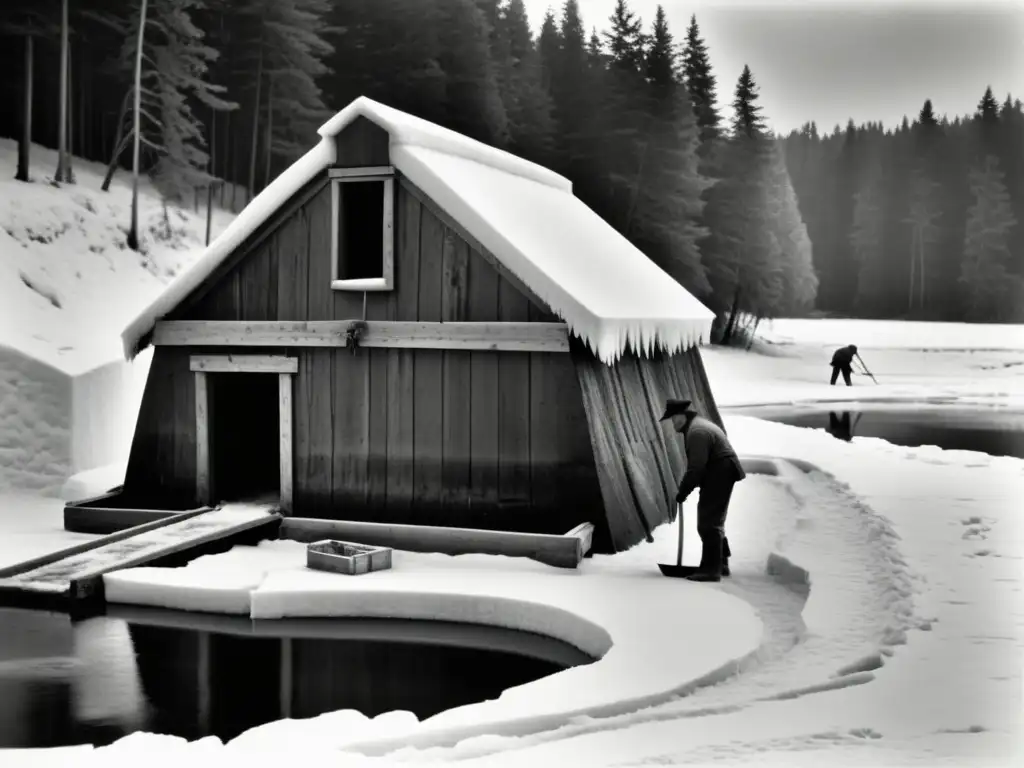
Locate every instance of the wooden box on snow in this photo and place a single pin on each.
(346, 557)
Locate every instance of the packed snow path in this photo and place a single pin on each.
(57, 577)
(809, 646)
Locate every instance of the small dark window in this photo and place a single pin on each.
(360, 229)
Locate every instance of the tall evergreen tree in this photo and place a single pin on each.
(700, 83)
(867, 239)
(625, 39)
(993, 291)
(747, 121)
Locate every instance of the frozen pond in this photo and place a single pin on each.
(194, 675)
(996, 431)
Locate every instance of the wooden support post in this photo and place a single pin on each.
(204, 692)
(202, 439)
(286, 678)
(284, 388)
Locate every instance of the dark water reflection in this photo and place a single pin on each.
(995, 431)
(193, 675)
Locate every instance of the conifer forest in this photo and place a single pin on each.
(211, 99)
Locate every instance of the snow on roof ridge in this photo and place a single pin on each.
(415, 131)
(608, 337)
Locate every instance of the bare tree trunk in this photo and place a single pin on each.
(225, 163)
(212, 166)
(25, 145)
(70, 172)
(62, 139)
(270, 129)
(731, 325)
(256, 122)
(133, 232)
(120, 142)
(922, 284)
(913, 269)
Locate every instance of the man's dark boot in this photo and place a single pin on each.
(726, 554)
(711, 557)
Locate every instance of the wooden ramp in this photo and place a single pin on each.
(62, 578)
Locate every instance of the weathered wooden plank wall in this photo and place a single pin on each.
(490, 439)
(640, 460)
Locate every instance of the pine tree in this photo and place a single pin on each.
(626, 39)
(747, 121)
(700, 83)
(925, 234)
(866, 239)
(527, 102)
(993, 292)
(665, 205)
(472, 101)
(799, 280)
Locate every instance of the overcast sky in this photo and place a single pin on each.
(829, 60)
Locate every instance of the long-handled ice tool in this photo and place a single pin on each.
(678, 571)
(869, 373)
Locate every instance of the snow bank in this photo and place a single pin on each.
(608, 292)
(618, 609)
(35, 424)
(894, 334)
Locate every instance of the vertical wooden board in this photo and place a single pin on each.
(482, 300)
(286, 443)
(321, 297)
(404, 299)
(255, 283)
(513, 408)
(292, 251)
(457, 384)
(621, 522)
(483, 473)
(401, 374)
(202, 417)
(351, 430)
(222, 302)
(641, 411)
(428, 405)
(377, 407)
(142, 475)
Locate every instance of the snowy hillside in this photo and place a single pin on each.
(68, 287)
(68, 282)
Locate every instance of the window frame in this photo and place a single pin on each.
(339, 176)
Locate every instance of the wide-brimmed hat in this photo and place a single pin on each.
(677, 408)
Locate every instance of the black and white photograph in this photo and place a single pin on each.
(511, 383)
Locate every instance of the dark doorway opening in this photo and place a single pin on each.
(244, 437)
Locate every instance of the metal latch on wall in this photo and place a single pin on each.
(354, 333)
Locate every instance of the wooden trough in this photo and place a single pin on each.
(117, 511)
(71, 579)
(560, 550)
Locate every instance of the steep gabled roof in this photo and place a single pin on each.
(605, 289)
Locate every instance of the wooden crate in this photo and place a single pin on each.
(347, 557)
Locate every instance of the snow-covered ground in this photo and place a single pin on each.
(68, 286)
(907, 649)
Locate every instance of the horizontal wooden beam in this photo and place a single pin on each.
(368, 173)
(552, 549)
(504, 337)
(244, 364)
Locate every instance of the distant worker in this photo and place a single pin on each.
(713, 466)
(842, 361)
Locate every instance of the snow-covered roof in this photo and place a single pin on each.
(606, 290)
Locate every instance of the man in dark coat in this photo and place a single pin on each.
(842, 362)
(713, 466)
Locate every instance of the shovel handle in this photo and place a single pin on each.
(679, 552)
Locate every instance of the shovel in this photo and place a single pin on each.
(678, 571)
